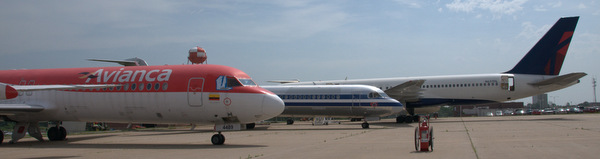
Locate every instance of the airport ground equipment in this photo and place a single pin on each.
(424, 135)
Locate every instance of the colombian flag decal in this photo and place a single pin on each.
(214, 97)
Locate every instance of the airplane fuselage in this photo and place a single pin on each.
(459, 89)
(154, 94)
(348, 101)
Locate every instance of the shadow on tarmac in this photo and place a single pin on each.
(500, 119)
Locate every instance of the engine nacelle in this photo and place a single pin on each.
(7, 92)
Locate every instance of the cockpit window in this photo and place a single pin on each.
(247, 82)
(233, 82)
(375, 95)
(227, 83)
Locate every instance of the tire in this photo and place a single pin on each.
(53, 134)
(431, 139)
(250, 126)
(365, 125)
(290, 122)
(408, 119)
(217, 139)
(1, 136)
(62, 133)
(417, 139)
(400, 119)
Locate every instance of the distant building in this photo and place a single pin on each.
(540, 101)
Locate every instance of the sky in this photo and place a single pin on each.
(306, 40)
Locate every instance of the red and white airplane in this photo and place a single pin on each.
(191, 94)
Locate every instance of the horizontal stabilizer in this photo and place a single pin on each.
(408, 91)
(127, 62)
(561, 80)
(20, 108)
(285, 81)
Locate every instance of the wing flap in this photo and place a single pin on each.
(561, 80)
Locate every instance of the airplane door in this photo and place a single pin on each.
(356, 110)
(195, 89)
(507, 82)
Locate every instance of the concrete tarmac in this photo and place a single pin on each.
(540, 136)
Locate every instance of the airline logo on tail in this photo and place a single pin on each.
(560, 54)
(548, 54)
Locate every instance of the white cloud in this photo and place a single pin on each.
(556, 4)
(530, 31)
(581, 6)
(410, 3)
(539, 8)
(496, 7)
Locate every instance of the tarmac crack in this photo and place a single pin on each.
(470, 140)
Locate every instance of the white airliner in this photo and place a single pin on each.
(347, 101)
(537, 73)
(188, 94)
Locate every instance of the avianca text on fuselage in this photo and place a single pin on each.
(122, 75)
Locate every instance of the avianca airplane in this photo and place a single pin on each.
(347, 101)
(537, 73)
(191, 94)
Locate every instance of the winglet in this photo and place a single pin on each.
(547, 55)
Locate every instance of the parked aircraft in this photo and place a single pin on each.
(346, 101)
(190, 94)
(537, 73)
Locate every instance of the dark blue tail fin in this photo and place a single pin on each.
(548, 54)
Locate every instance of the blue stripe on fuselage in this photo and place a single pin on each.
(347, 104)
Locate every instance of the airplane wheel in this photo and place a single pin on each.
(63, 133)
(408, 119)
(365, 125)
(290, 121)
(431, 138)
(400, 119)
(417, 139)
(416, 118)
(217, 139)
(1, 136)
(250, 126)
(57, 134)
(53, 134)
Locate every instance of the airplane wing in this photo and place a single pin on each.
(560, 80)
(408, 91)
(14, 108)
(60, 87)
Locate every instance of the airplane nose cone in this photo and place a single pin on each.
(272, 106)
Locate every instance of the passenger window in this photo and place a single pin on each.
(165, 86)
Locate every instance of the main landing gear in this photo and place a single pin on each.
(55, 133)
(407, 119)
